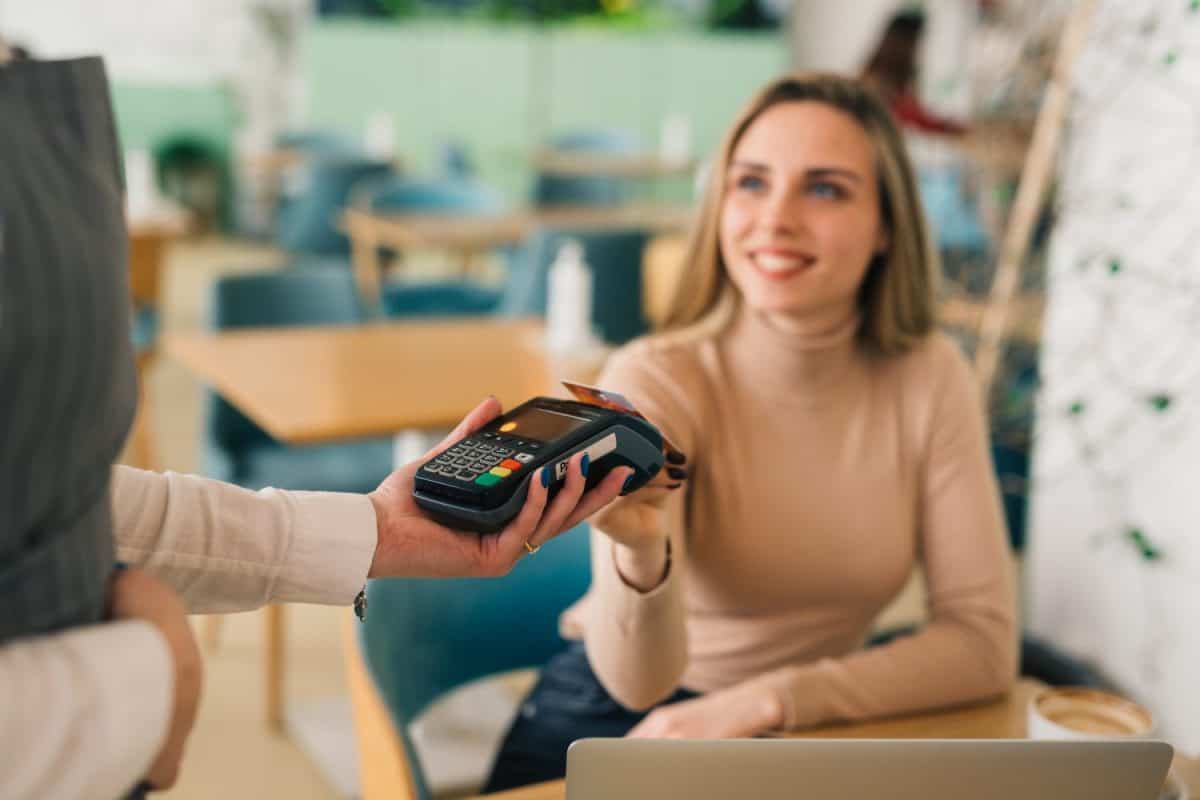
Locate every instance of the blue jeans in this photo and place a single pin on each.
(566, 703)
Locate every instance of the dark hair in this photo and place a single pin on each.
(906, 23)
(893, 66)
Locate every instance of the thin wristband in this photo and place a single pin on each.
(140, 791)
(662, 579)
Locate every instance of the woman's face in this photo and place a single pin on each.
(800, 219)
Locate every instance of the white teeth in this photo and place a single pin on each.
(778, 263)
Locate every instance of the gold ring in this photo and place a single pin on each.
(532, 548)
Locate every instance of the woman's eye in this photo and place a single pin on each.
(827, 190)
(749, 182)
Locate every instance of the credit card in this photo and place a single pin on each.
(614, 401)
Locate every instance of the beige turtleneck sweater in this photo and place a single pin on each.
(820, 475)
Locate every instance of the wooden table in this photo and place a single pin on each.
(1004, 719)
(369, 231)
(636, 165)
(149, 240)
(317, 384)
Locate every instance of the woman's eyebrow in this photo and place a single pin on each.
(811, 172)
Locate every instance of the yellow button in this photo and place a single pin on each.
(501, 472)
(508, 426)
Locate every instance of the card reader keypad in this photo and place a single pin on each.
(485, 459)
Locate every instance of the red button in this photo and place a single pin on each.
(508, 463)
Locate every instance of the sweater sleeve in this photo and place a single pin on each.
(637, 641)
(84, 711)
(968, 651)
(224, 548)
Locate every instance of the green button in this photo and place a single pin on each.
(488, 479)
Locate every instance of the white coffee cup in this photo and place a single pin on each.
(1082, 714)
(1174, 789)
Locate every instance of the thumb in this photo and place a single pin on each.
(479, 416)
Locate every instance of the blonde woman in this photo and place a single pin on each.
(835, 442)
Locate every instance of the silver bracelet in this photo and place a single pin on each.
(360, 604)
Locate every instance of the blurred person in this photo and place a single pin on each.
(100, 676)
(892, 72)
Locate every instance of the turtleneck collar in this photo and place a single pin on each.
(776, 355)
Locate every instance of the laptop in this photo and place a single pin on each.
(838, 769)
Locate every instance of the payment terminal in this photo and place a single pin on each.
(479, 484)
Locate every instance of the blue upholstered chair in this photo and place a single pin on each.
(449, 197)
(237, 450)
(308, 222)
(615, 258)
(318, 142)
(423, 638)
(551, 189)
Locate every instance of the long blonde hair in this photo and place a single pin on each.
(898, 297)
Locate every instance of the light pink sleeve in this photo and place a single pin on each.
(84, 712)
(637, 642)
(224, 548)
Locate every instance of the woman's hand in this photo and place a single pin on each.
(136, 595)
(637, 525)
(740, 711)
(412, 545)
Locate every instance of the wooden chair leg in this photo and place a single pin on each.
(385, 772)
(274, 662)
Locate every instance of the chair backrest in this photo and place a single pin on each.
(425, 637)
(664, 265)
(311, 296)
(308, 224)
(586, 190)
(318, 142)
(453, 161)
(434, 196)
(615, 259)
(446, 196)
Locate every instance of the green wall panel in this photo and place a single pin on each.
(502, 89)
(149, 114)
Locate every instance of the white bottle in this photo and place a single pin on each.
(142, 201)
(569, 301)
(379, 138)
(675, 139)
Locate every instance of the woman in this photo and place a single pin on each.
(836, 441)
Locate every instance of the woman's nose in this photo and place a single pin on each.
(780, 213)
